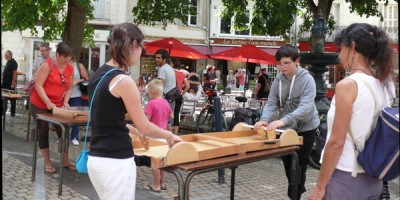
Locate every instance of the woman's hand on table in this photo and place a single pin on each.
(50, 106)
(173, 139)
(65, 106)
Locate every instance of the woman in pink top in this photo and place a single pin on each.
(157, 111)
(241, 76)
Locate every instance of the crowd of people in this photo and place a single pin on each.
(364, 51)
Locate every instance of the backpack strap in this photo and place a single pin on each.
(356, 150)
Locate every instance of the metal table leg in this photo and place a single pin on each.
(28, 131)
(63, 148)
(4, 109)
(201, 171)
(295, 174)
(35, 145)
(179, 178)
(233, 170)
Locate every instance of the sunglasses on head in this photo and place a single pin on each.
(143, 50)
(62, 79)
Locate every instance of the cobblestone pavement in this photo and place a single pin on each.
(260, 180)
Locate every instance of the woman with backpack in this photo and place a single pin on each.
(365, 51)
(263, 85)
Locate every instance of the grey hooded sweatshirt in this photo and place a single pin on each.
(298, 112)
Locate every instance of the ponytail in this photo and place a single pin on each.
(371, 42)
(120, 40)
(382, 61)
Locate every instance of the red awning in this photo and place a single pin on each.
(217, 49)
(271, 51)
(202, 49)
(329, 46)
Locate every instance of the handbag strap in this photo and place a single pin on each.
(79, 69)
(91, 103)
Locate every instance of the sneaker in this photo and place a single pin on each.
(75, 142)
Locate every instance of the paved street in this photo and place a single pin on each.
(260, 180)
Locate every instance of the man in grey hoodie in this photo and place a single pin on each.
(291, 105)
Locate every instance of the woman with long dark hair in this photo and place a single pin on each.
(111, 164)
(365, 51)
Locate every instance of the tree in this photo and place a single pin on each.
(59, 18)
(269, 17)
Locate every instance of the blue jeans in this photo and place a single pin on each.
(76, 101)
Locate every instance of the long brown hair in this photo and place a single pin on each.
(122, 36)
(373, 43)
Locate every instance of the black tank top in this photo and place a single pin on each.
(110, 137)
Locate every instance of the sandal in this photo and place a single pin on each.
(150, 188)
(162, 185)
(50, 169)
(71, 167)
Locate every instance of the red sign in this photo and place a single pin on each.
(395, 48)
(329, 46)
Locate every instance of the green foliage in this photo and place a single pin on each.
(152, 12)
(269, 17)
(365, 7)
(50, 14)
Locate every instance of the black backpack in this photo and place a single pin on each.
(246, 115)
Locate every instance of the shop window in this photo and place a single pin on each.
(192, 19)
(226, 25)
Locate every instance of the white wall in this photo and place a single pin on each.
(13, 41)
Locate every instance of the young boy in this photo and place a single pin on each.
(157, 111)
(292, 94)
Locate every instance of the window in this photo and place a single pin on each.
(390, 16)
(226, 26)
(99, 9)
(336, 13)
(247, 31)
(192, 19)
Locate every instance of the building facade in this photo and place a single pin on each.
(206, 32)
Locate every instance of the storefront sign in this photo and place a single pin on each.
(183, 40)
(101, 35)
(238, 42)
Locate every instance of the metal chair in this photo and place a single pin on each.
(188, 108)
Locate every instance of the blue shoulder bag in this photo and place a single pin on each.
(81, 162)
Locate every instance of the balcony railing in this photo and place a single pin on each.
(392, 32)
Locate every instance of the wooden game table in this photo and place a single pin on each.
(65, 125)
(231, 162)
(206, 152)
